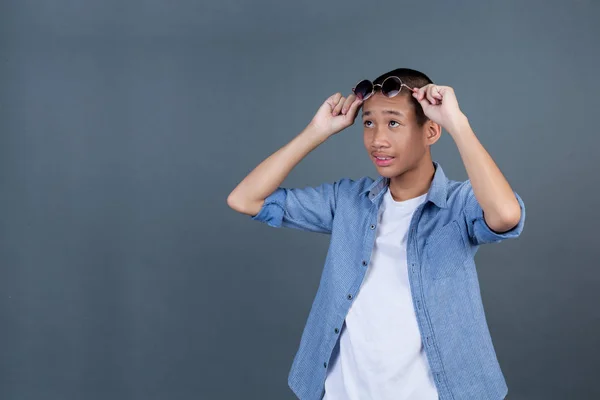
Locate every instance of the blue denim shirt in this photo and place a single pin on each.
(444, 235)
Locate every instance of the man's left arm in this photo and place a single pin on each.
(492, 200)
(501, 208)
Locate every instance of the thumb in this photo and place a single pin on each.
(353, 110)
(423, 102)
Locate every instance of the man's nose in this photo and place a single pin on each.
(380, 136)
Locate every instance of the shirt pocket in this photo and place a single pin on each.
(445, 252)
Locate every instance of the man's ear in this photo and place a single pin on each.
(433, 132)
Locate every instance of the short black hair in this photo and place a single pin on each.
(412, 78)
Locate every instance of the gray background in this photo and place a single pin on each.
(125, 125)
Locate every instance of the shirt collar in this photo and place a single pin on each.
(437, 193)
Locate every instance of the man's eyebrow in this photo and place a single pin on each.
(393, 112)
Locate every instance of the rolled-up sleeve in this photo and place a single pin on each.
(478, 229)
(308, 209)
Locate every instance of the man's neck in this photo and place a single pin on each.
(412, 183)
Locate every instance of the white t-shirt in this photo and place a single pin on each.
(381, 354)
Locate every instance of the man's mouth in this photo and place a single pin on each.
(383, 161)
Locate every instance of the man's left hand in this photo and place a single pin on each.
(440, 105)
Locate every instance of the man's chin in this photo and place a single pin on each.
(387, 172)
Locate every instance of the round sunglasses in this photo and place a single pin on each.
(390, 87)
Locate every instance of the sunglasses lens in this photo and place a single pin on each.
(391, 86)
(363, 89)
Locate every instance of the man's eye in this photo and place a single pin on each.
(366, 123)
(394, 122)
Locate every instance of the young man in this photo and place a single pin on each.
(398, 313)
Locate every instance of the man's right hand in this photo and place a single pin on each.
(336, 114)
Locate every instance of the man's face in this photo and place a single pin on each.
(390, 128)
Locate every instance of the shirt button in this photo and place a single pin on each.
(372, 226)
(418, 304)
(336, 330)
(325, 364)
(364, 263)
(349, 297)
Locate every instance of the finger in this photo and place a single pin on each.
(422, 92)
(349, 101)
(436, 93)
(353, 110)
(419, 91)
(334, 99)
(416, 94)
(423, 102)
(338, 106)
(429, 95)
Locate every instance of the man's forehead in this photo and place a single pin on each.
(379, 104)
(387, 111)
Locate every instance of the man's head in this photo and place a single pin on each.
(397, 127)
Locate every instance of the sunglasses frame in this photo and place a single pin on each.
(373, 86)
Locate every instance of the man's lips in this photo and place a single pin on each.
(382, 160)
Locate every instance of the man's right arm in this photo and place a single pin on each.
(249, 195)
(334, 115)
